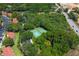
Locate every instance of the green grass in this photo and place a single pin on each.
(15, 48)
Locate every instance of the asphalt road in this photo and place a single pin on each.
(5, 21)
(2, 29)
(71, 23)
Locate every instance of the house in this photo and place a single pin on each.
(72, 6)
(11, 35)
(69, 6)
(7, 51)
(14, 20)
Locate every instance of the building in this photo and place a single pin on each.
(11, 35)
(70, 6)
(14, 20)
(7, 51)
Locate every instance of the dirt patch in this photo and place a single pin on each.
(73, 52)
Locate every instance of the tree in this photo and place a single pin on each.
(46, 52)
(29, 49)
(8, 42)
(76, 10)
(14, 15)
(58, 40)
(14, 27)
(28, 26)
(26, 35)
(22, 18)
(73, 16)
(0, 51)
(26, 47)
(66, 10)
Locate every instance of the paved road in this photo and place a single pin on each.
(5, 23)
(71, 23)
(1, 36)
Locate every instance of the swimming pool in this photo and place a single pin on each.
(38, 31)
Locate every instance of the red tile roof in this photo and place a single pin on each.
(11, 35)
(7, 51)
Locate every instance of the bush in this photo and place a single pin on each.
(29, 49)
(72, 16)
(27, 35)
(0, 51)
(14, 27)
(8, 42)
(28, 26)
(14, 15)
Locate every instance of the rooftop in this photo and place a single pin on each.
(11, 35)
(7, 51)
(14, 20)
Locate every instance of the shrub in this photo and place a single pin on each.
(29, 49)
(8, 42)
(72, 16)
(28, 26)
(25, 36)
(14, 27)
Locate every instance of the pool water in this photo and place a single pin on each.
(36, 34)
(38, 31)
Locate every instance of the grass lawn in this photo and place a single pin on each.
(15, 48)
